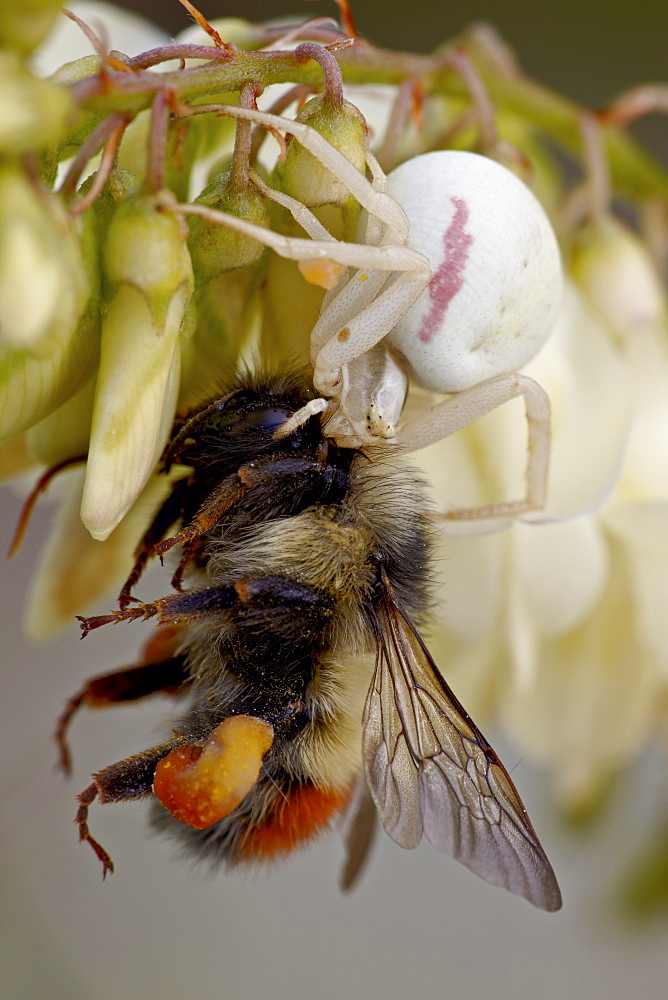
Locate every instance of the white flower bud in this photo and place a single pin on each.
(43, 282)
(617, 274)
(135, 400)
(33, 112)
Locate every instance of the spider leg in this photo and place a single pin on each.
(463, 408)
(369, 195)
(368, 327)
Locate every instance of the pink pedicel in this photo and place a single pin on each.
(449, 276)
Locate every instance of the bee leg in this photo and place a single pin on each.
(274, 472)
(167, 514)
(278, 591)
(218, 503)
(190, 553)
(168, 610)
(129, 684)
(280, 604)
(86, 798)
(128, 779)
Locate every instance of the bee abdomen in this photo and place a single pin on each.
(300, 814)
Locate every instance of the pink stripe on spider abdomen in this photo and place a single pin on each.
(449, 276)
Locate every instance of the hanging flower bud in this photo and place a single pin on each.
(147, 260)
(215, 249)
(65, 432)
(43, 282)
(617, 274)
(134, 406)
(228, 271)
(33, 112)
(34, 384)
(146, 249)
(186, 142)
(31, 388)
(303, 177)
(24, 25)
(294, 292)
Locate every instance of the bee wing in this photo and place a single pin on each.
(430, 769)
(358, 829)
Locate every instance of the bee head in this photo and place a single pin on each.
(241, 426)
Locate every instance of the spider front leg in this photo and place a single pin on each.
(353, 369)
(462, 408)
(367, 302)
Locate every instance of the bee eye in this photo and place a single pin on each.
(264, 419)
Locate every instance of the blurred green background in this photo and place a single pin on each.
(591, 51)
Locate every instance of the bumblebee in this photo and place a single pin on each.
(311, 694)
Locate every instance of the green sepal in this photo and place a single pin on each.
(215, 249)
(146, 249)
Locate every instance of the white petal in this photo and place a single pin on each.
(643, 528)
(562, 570)
(591, 396)
(645, 471)
(76, 571)
(595, 694)
(480, 464)
(469, 582)
(592, 401)
(472, 669)
(617, 274)
(375, 101)
(521, 635)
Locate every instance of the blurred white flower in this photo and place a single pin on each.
(561, 627)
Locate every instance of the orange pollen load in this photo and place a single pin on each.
(201, 785)
(295, 820)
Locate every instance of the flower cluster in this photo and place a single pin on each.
(137, 206)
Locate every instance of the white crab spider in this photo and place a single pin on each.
(470, 300)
